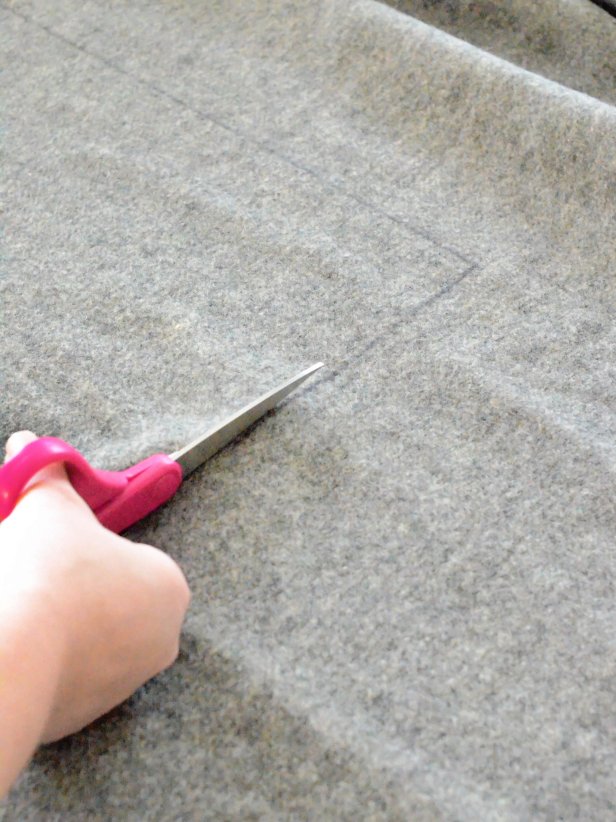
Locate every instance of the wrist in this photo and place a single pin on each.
(32, 653)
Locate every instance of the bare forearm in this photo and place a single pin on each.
(31, 653)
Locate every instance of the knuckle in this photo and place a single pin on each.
(181, 590)
(172, 654)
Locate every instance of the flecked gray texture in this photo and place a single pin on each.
(403, 580)
(570, 41)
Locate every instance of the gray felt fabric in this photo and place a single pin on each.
(403, 581)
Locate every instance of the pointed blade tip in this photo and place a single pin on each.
(268, 402)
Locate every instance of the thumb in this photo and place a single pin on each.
(17, 441)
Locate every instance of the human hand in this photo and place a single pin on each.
(112, 608)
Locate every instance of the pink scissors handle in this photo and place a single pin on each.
(118, 498)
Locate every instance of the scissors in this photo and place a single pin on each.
(121, 498)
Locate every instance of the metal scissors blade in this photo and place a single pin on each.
(121, 498)
(204, 447)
